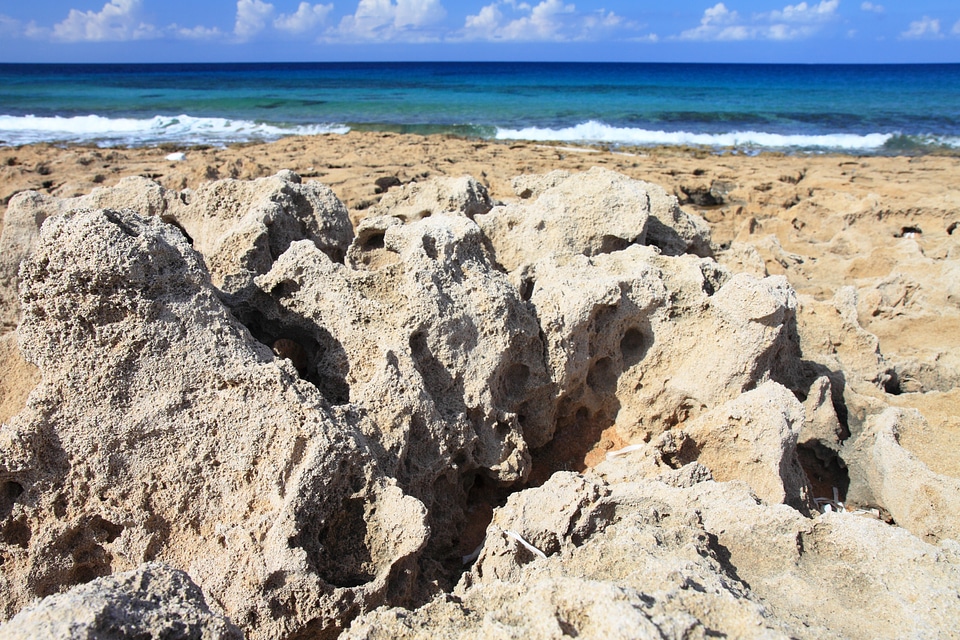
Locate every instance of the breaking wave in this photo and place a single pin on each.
(182, 129)
(601, 133)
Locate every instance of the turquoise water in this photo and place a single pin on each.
(865, 108)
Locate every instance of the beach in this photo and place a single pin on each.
(838, 220)
(814, 273)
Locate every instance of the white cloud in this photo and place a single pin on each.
(925, 28)
(117, 21)
(9, 27)
(252, 17)
(307, 18)
(875, 8)
(195, 33)
(382, 20)
(793, 22)
(956, 29)
(550, 20)
(806, 13)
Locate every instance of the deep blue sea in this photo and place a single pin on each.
(797, 108)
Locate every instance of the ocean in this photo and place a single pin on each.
(878, 109)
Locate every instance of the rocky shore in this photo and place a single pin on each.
(379, 386)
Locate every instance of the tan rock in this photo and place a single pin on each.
(885, 474)
(162, 431)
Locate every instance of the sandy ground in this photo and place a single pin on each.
(889, 226)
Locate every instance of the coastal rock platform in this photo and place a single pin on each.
(573, 403)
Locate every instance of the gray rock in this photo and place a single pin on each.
(151, 602)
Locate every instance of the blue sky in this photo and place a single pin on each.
(590, 30)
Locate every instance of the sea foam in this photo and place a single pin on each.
(598, 132)
(139, 132)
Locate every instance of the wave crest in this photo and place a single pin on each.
(593, 131)
(15, 130)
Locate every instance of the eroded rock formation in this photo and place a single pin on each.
(554, 416)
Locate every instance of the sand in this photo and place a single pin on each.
(889, 226)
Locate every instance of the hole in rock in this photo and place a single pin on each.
(602, 376)
(891, 383)
(373, 242)
(824, 470)
(611, 244)
(633, 346)
(284, 288)
(16, 533)
(341, 550)
(515, 380)
(908, 232)
(430, 247)
(9, 492)
(953, 227)
(581, 441)
(319, 358)
(526, 288)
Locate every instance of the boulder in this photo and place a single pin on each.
(27, 211)
(151, 602)
(430, 343)
(581, 557)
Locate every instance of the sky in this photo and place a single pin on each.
(824, 31)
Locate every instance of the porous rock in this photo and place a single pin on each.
(643, 559)
(27, 211)
(152, 602)
(754, 438)
(629, 349)
(430, 343)
(587, 213)
(162, 431)
(241, 227)
(417, 200)
(884, 474)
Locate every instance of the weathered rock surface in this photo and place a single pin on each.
(583, 558)
(417, 200)
(590, 213)
(151, 602)
(318, 427)
(240, 227)
(27, 211)
(162, 431)
(886, 475)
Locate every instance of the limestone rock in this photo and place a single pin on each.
(151, 602)
(629, 350)
(677, 562)
(162, 431)
(589, 213)
(885, 474)
(531, 185)
(754, 438)
(242, 227)
(417, 200)
(821, 428)
(27, 211)
(430, 343)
